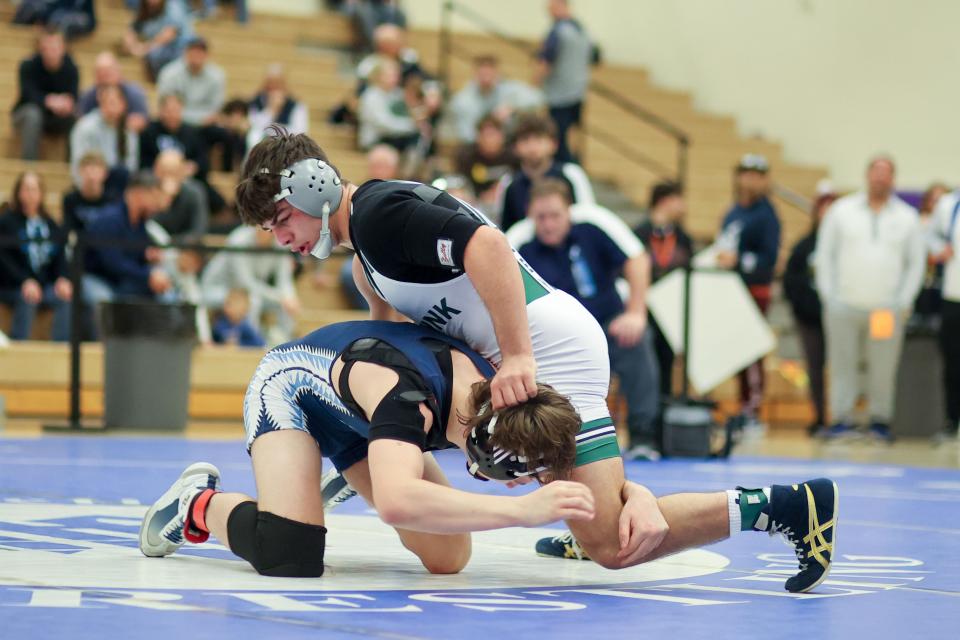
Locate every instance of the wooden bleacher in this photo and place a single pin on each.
(716, 144)
(34, 380)
(715, 148)
(244, 52)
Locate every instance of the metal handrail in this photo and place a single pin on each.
(605, 91)
(630, 152)
(792, 198)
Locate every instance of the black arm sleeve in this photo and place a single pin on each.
(434, 236)
(401, 230)
(396, 418)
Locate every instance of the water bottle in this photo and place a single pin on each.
(586, 286)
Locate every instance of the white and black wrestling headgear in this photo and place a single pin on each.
(493, 462)
(312, 186)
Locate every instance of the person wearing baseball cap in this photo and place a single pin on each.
(749, 243)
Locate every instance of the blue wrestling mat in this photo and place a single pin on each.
(70, 509)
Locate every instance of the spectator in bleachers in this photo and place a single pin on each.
(233, 325)
(535, 146)
(383, 163)
(662, 233)
(944, 245)
(489, 94)
(169, 131)
(211, 10)
(49, 82)
(368, 15)
(926, 310)
(564, 71)
(384, 115)
(267, 277)
(114, 272)
(106, 71)
(869, 267)
(187, 214)
(73, 18)
(90, 199)
(275, 104)
(425, 103)
(799, 286)
(159, 33)
(235, 119)
(669, 247)
(183, 218)
(486, 161)
(389, 42)
(585, 261)
(33, 273)
(201, 84)
(104, 130)
(749, 244)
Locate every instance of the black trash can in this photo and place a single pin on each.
(146, 369)
(919, 410)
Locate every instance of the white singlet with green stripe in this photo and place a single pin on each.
(569, 345)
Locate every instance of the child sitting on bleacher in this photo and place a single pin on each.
(233, 324)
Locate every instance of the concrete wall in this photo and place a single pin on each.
(835, 80)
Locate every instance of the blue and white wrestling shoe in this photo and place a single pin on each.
(161, 532)
(335, 489)
(806, 516)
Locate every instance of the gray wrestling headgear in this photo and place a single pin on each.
(493, 462)
(312, 186)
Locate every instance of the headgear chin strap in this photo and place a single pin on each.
(312, 186)
(324, 246)
(493, 462)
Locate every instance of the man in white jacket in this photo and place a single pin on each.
(869, 267)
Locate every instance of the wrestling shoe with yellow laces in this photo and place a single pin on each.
(806, 516)
(561, 546)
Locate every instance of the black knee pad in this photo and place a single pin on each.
(276, 546)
